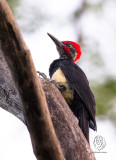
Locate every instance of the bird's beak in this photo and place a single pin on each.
(58, 43)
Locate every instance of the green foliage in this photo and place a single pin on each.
(105, 95)
(13, 4)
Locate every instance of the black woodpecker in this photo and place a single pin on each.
(73, 84)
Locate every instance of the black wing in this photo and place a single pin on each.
(78, 81)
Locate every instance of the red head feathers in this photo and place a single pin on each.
(77, 48)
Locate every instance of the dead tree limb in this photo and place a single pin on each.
(28, 107)
(35, 110)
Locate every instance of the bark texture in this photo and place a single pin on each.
(21, 94)
(35, 109)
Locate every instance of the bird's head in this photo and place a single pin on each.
(67, 49)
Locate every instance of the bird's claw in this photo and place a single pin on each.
(53, 81)
(42, 74)
(60, 87)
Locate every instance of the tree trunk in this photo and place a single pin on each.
(35, 110)
(28, 103)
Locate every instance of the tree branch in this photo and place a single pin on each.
(35, 110)
(30, 105)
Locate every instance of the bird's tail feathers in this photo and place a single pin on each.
(84, 124)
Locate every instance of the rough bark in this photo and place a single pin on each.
(73, 143)
(27, 105)
(35, 109)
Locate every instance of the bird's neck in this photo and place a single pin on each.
(66, 58)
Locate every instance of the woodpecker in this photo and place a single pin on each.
(73, 84)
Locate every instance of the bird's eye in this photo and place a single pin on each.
(70, 46)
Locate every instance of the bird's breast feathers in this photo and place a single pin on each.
(59, 76)
(60, 80)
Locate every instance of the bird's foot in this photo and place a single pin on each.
(53, 81)
(42, 74)
(60, 87)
